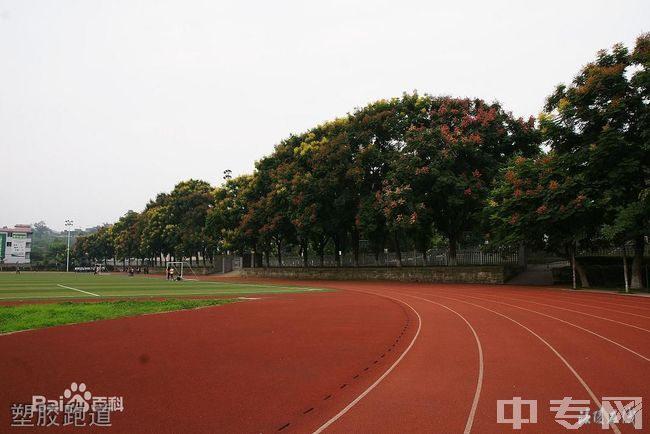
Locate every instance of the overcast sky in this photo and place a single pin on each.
(104, 104)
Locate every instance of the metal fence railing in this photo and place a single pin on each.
(434, 257)
(613, 251)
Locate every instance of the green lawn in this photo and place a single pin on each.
(62, 286)
(33, 316)
(36, 286)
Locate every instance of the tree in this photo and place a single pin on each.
(224, 220)
(56, 253)
(188, 207)
(400, 212)
(377, 136)
(539, 201)
(321, 185)
(450, 160)
(266, 220)
(125, 235)
(42, 239)
(600, 126)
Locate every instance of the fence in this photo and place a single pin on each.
(613, 251)
(219, 264)
(434, 257)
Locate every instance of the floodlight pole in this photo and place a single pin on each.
(68, 225)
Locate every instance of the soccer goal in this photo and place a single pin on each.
(178, 271)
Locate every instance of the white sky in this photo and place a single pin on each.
(104, 104)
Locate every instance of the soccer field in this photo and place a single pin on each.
(62, 286)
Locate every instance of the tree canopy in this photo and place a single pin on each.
(592, 183)
(398, 173)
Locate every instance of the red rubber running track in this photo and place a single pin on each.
(378, 357)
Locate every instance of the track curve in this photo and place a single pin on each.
(376, 357)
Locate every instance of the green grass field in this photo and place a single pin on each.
(62, 286)
(36, 286)
(34, 316)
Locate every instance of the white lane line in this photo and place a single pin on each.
(80, 290)
(380, 379)
(582, 313)
(479, 381)
(556, 352)
(583, 304)
(565, 322)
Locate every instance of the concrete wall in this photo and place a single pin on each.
(477, 274)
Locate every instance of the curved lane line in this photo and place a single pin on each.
(608, 296)
(588, 306)
(582, 313)
(638, 303)
(479, 382)
(380, 379)
(566, 363)
(565, 322)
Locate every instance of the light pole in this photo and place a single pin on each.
(68, 225)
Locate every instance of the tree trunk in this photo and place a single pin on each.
(452, 250)
(584, 280)
(320, 249)
(573, 268)
(627, 285)
(398, 251)
(304, 246)
(278, 244)
(355, 246)
(637, 263)
(337, 250)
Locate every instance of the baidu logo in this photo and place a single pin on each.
(77, 406)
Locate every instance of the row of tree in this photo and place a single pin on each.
(48, 248)
(409, 172)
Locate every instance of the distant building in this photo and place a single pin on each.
(16, 244)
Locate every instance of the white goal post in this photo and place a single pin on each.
(180, 268)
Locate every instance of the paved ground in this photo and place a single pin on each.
(377, 357)
(253, 366)
(535, 274)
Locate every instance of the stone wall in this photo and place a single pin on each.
(458, 274)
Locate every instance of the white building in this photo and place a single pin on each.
(16, 245)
